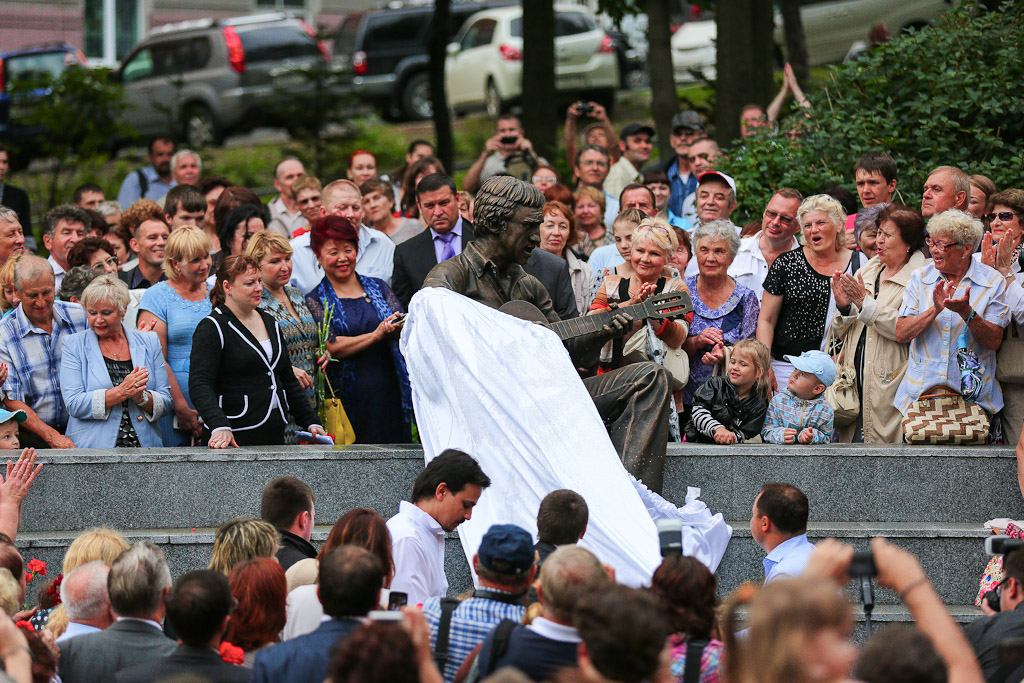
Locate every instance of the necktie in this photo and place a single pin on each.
(449, 250)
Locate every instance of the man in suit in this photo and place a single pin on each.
(199, 608)
(448, 234)
(138, 583)
(350, 581)
(14, 197)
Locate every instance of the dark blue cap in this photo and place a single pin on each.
(506, 548)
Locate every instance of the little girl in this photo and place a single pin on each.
(731, 409)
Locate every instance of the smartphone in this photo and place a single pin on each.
(397, 599)
(308, 438)
(400, 320)
(385, 615)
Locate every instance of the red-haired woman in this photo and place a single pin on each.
(362, 166)
(362, 527)
(240, 403)
(261, 590)
(370, 376)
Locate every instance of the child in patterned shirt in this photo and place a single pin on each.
(800, 413)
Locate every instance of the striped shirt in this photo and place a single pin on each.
(786, 411)
(472, 621)
(33, 358)
(932, 358)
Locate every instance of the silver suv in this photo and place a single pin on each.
(201, 80)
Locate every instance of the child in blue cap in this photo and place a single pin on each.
(800, 413)
(9, 422)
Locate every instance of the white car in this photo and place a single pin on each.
(693, 51)
(485, 63)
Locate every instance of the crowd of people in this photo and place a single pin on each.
(372, 605)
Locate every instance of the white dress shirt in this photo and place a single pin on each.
(75, 629)
(417, 544)
(58, 272)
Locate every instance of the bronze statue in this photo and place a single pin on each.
(634, 401)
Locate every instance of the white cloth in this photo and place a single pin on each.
(58, 272)
(76, 629)
(489, 394)
(417, 546)
(304, 612)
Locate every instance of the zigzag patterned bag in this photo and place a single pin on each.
(941, 416)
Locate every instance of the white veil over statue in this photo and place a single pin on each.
(506, 392)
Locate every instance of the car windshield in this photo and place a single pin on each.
(38, 65)
(566, 24)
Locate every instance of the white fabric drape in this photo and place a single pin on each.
(506, 392)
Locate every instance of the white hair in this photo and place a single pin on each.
(176, 159)
(83, 592)
(717, 230)
(107, 289)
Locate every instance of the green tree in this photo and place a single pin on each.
(77, 117)
(939, 96)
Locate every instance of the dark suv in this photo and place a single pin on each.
(386, 49)
(201, 80)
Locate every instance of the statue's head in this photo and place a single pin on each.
(498, 200)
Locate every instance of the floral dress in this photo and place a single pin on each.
(299, 336)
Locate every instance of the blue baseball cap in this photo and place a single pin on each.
(506, 548)
(19, 415)
(818, 363)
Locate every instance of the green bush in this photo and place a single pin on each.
(945, 95)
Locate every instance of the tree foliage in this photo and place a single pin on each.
(944, 95)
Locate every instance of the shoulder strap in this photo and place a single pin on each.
(694, 654)
(855, 263)
(143, 183)
(444, 627)
(499, 646)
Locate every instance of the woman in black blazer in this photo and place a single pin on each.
(241, 378)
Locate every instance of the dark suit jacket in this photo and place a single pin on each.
(553, 273)
(232, 383)
(414, 258)
(17, 199)
(303, 659)
(202, 662)
(97, 657)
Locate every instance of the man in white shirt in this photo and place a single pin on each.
(443, 497)
(778, 524)
(375, 252)
(285, 208)
(83, 592)
(779, 227)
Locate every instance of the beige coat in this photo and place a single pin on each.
(885, 359)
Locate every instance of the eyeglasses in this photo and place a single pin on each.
(788, 221)
(544, 179)
(1004, 216)
(935, 245)
(112, 262)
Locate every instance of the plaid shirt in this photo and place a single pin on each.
(786, 411)
(33, 359)
(472, 621)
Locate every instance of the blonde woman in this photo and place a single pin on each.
(98, 544)
(241, 539)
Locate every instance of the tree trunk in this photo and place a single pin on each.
(539, 94)
(796, 40)
(664, 103)
(438, 97)
(744, 62)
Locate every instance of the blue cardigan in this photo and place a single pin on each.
(84, 380)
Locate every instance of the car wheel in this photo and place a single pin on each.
(416, 102)
(492, 100)
(201, 128)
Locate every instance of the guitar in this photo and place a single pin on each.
(664, 306)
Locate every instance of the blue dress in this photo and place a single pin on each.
(368, 382)
(181, 317)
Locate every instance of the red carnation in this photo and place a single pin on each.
(36, 566)
(231, 654)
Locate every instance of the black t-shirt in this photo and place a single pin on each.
(985, 633)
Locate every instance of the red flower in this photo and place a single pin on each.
(37, 566)
(231, 654)
(29, 576)
(25, 625)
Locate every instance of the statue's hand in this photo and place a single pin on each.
(618, 325)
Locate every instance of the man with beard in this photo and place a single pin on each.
(153, 181)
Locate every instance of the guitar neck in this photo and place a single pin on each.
(587, 324)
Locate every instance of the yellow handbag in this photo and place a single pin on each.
(335, 418)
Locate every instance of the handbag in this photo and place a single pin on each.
(1010, 358)
(675, 361)
(336, 421)
(842, 394)
(941, 416)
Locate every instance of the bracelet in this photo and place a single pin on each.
(912, 586)
(970, 317)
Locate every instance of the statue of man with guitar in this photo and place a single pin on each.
(634, 401)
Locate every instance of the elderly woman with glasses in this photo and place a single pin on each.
(954, 301)
(797, 300)
(113, 379)
(1001, 249)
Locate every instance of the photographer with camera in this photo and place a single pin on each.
(599, 133)
(901, 572)
(1004, 618)
(507, 151)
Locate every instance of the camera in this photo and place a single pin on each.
(509, 139)
(584, 108)
(1002, 545)
(397, 600)
(670, 536)
(862, 564)
(991, 598)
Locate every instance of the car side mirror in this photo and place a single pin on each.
(453, 49)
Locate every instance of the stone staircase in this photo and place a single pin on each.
(931, 501)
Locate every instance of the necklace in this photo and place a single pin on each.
(116, 352)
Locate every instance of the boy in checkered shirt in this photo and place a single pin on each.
(800, 413)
